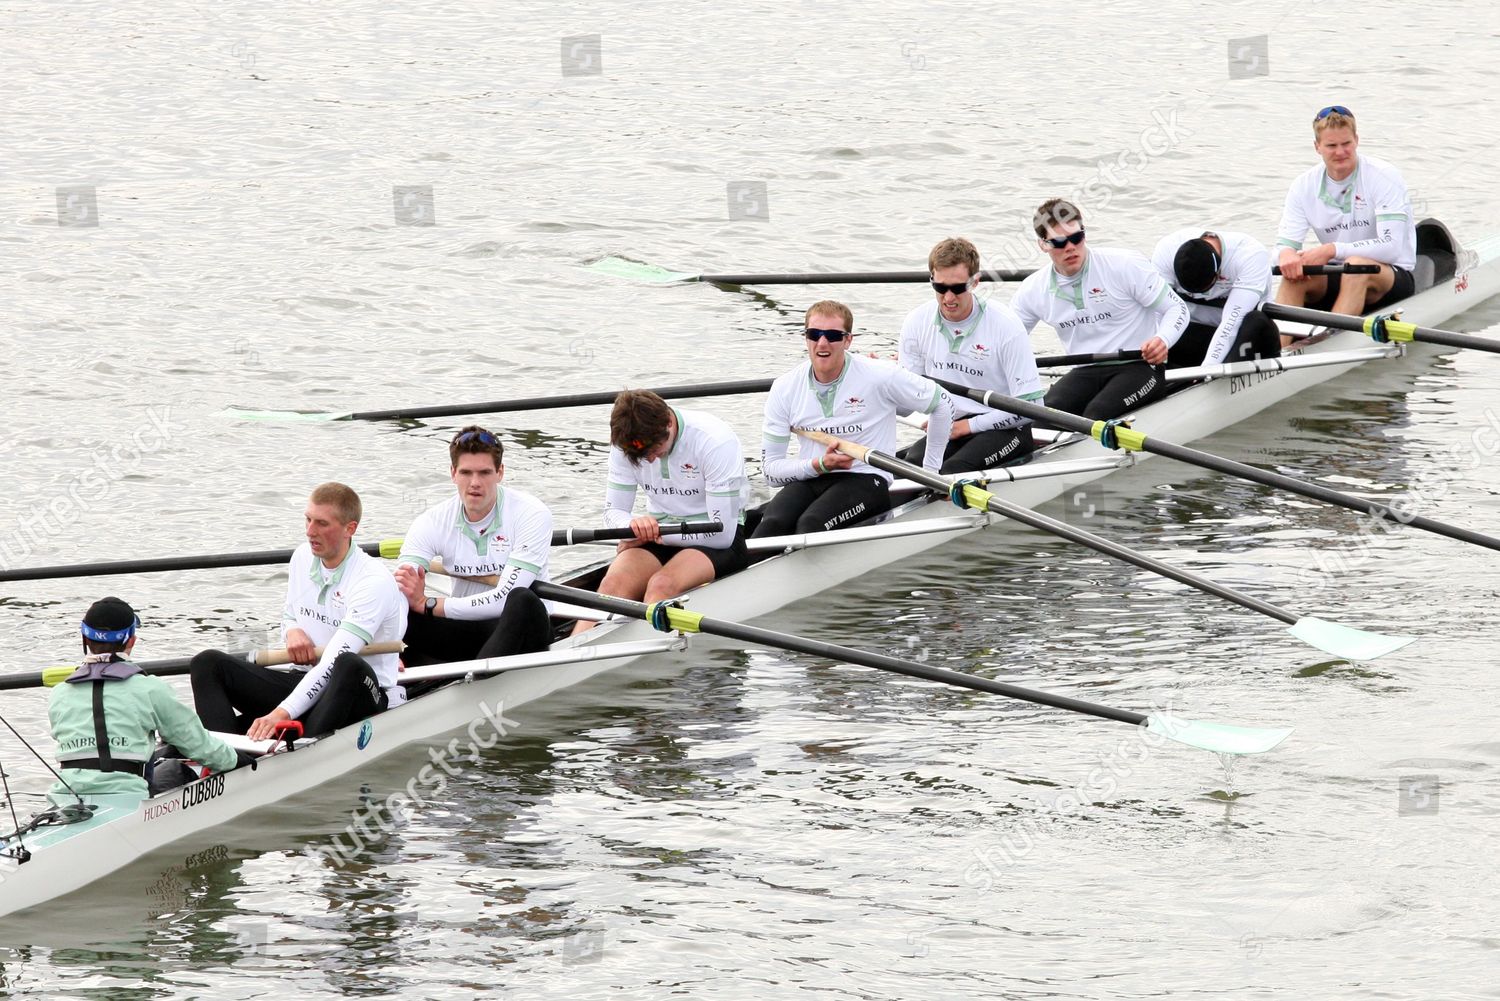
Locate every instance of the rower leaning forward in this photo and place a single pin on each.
(855, 398)
(1224, 277)
(105, 716)
(1360, 211)
(485, 531)
(977, 344)
(1100, 300)
(338, 597)
(692, 468)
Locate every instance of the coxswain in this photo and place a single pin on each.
(855, 398)
(1099, 300)
(106, 715)
(339, 598)
(977, 344)
(1360, 211)
(485, 530)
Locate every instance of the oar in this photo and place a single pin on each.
(1058, 361)
(1380, 327)
(48, 677)
(1122, 436)
(1330, 637)
(500, 406)
(1334, 269)
(622, 267)
(386, 548)
(1217, 737)
(585, 535)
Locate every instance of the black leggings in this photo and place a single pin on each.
(522, 627)
(983, 450)
(1256, 338)
(230, 693)
(1100, 392)
(829, 501)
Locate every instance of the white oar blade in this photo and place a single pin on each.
(243, 414)
(621, 267)
(1346, 641)
(1221, 738)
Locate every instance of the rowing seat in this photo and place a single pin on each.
(1437, 260)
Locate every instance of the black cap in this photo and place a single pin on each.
(1196, 265)
(109, 620)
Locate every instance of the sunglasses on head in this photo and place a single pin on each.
(483, 437)
(1333, 109)
(832, 336)
(1059, 242)
(957, 288)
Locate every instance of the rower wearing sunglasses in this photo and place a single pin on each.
(692, 468)
(976, 344)
(485, 530)
(1099, 300)
(855, 398)
(1360, 211)
(1224, 277)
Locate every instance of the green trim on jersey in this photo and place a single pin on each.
(350, 627)
(829, 402)
(1075, 299)
(480, 542)
(315, 575)
(529, 567)
(1344, 202)
(956, 342)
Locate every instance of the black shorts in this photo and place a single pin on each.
(725, 561)
(1404, 287)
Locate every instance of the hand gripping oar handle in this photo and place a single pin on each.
(1121, 435)
(1334, 269)
(586, 535)
(668, 617)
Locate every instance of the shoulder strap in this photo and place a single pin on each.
(101, 735)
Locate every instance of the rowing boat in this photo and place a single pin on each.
(64, 857)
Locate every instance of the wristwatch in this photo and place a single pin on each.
(431, 607)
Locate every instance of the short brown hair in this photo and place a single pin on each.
(1334, 120)
(475, 440)
(639, 422)
(343, 499)
(1055, 212)
(831, 308)
(954, 251)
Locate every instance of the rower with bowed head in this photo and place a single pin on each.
(338, 597)
(1224, 277)
(1360, 211)
(485, 530)
(105, 716)
(854, 398)
(692, 468)
(1099, 300)
(981, 345)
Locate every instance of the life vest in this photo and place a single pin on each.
(99, 670)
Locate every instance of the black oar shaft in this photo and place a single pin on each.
(833, 651)
(1057, 361)
(1341, 321)
(558, 402)
(1334, 269)
(855, 277)
(1195, 457)
(269, 557)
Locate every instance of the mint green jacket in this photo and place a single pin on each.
(135, 709)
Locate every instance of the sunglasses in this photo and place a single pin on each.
(483, 437)
(1333, 109)
(1059, 242)
(957, 288)
(832, 336)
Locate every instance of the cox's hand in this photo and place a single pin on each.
(300, 647)
(265, 727)
(1154, 351)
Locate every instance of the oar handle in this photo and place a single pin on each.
(856, 277)
(275, 658)
(1334, 269)
(51, 676)
(1059, 361)
(570, 536)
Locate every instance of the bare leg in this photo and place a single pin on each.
(684, 571)
(1359, 292)
(1300, 293)
(628, 576)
